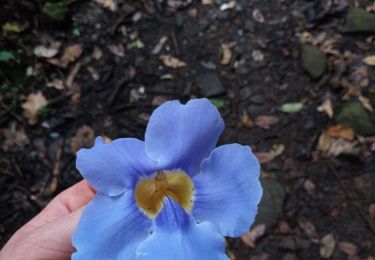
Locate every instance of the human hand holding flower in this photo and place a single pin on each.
(48, 235)
(173, 196)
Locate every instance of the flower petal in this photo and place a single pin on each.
(110, 228)
(228, 190)
(181, 136)
(177, 236)
(114, 167)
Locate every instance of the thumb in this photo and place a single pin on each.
(50, 241)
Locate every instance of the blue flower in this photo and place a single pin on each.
(173, 196)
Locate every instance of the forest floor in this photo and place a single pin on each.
(295, 80)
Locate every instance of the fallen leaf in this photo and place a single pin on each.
(340, 146)
(370, 60)
(266, 122)
(225, 54)
(6, 56)
(33, 103)
(307, 227)
(97, 53)
(94, 73)
(258, 16)
(172, 62)
(326, 107)
(327, 246)
(72, 52)
(324, 143)
(309, 187)
(46, 52)
(55, 10)
(207, 2)
(365, 103)
(159, 46)
(291, 107)
(250, 237)
(348, 248)
(12, 27)
(246, 120)
(276, 151)
(72, 74)
(117, 49)
(226, 6)
(338, 131)
(14, 138)
(57, 84)
(257, 55)
(137, 44)
(84, 137)
(110, 4)
(218, 103)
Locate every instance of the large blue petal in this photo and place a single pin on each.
(228, 190)
(110, 228)
(114, 167)
(176, 236)
(181, 136)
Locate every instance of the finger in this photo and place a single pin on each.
(50, 241)
(63, 204)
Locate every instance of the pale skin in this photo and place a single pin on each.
(49, 234)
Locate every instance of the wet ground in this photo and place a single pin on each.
(295, 80)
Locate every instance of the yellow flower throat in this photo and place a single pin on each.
(151, 192)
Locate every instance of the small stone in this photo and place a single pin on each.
(358, 20)
(271, 203)
(210, 85)
(313, 61)
(352, 114)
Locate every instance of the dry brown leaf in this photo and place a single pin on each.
(172, 62)
(110, 4)
(258, 16)
(340, 146)
(365, 103)
(72, 52)
(338, 131)
(347, 247)
(308, 227)
(327, 246)
(72, 74)
(266, 122)
(84, 137)
(250, 237)
(56, 83)
(326, 107)
(207, 2)
(94, 73)
(117, 49)
(225, 54)
(309, 187)
(14, 138)
(33, 103)
(324, 143)
(246, 120)
(276, 151)
(370, 60)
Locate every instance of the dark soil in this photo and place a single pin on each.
(114, 93)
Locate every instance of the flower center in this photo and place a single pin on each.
(151, 192)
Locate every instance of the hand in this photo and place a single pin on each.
(48, 235)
